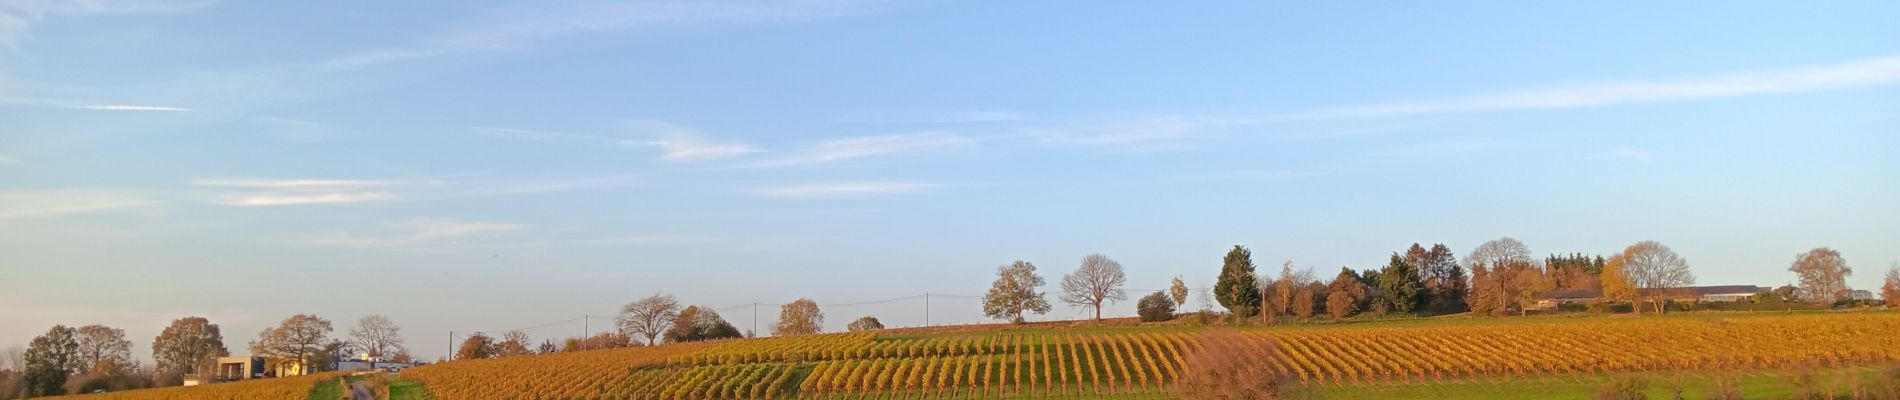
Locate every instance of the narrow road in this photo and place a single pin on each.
(358, 391)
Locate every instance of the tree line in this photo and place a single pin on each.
(94, 358)
(1498, 277)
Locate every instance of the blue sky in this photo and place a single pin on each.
(465, 165)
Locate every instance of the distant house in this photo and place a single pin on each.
(1701, 294)
(361, 365)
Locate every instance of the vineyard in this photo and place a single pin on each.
(279, 388)
(1134, 360)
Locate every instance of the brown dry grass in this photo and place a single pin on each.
(1231, 366)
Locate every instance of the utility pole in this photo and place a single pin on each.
(755, 319)
(926, 309)
(451, 353)
(586, 329)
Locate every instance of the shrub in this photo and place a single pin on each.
(1231, 366)
(1805, 386)
(865, 323)
(1887, 384)
(1155, 307)
(1625, 388)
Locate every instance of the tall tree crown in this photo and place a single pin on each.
(1237, 289)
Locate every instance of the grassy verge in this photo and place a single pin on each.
(327, 389)
(407, 389)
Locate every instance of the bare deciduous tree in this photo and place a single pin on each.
(799, 317)
(14, 359)
(1656, 270)
(1098, 280)
(1495, 267)
(1823, 275)
(649, 317)
(1014, 293)
(378, 336)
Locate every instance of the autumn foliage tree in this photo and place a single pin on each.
(1346, 295)
(514, 343)
(1014, 293)
(299, 338)
(186, 346)
(50, 359)
(477, 346)
(1098, 280)
(864, 323)
(1496, 286)
(1617, 286)
(1178, 292)
(102, 346)
(1822, 275)
(799, 317)
(1891, 290)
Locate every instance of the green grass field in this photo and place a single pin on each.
(327, 389)
(407, 389)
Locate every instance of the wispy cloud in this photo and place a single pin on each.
(628, 240)
(259, 192)
(414, 234)
(1172, 130)
(1630, 154)
(676, 143)
(934, 117)
(551, 137)
(869, 146)
(18, 17)
(1147, 133)
(27, 204)
(684, 148)
(85, 105)
(518, 27)
(847, 190)
(10, 161)
(1877, 71)
(561, 185)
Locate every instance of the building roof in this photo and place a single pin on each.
(1695, 290)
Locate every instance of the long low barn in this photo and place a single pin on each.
(1550, 299)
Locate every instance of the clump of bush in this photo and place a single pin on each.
(1155, 307)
